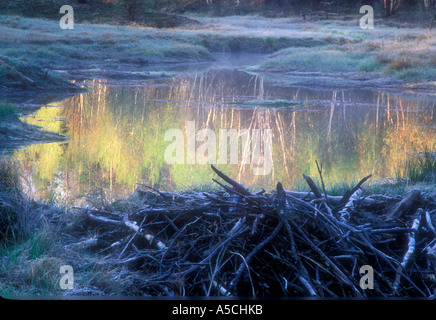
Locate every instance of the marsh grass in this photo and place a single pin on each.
(421, 168)
(327, 59)
(9, 177)
(34, 244)
(404, 54)
(400, 63)
(19, 216)
(29, 240)
(43, 43)
(23, 75)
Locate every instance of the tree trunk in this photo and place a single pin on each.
(391, 6)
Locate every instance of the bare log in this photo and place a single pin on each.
(24, 79)
(404, 205)
(221, 289)
(349, 193)
(405, 263)
(345, 212)
(308, 286)
(87, 243)
(149, 237)
(238, 187)
(312, 186)
(102, 220)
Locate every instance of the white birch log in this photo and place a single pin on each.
(345, 212)
(405, 263)
(149, 237)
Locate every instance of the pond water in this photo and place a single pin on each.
(117, 135)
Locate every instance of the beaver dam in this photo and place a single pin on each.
(234, 242)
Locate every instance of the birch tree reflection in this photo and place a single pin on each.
(116, 133)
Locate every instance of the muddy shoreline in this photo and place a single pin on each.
(15, 134)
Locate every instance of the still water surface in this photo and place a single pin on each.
(116, 134)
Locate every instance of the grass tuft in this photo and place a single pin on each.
(400, 63)
(422, 168)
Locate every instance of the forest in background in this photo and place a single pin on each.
(143, 11)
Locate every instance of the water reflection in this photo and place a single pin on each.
(116, 133)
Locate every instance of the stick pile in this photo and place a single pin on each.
(237, 243)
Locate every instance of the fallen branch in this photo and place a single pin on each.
(313, 186)
(250, 256)
(410, 248)
(404, 205)
(351, 192)
(24, 79)
(238, 187)
(149, 237)
(345, 212)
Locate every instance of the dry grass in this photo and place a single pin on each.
(43, 272)
(19, 216)
(396, 51)
(402, 53)
(310, 27)
(37, 239)
(400, 64)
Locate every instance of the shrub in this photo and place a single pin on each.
(9, 177)
(19, 216)
(422, 168)
(400, 64)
